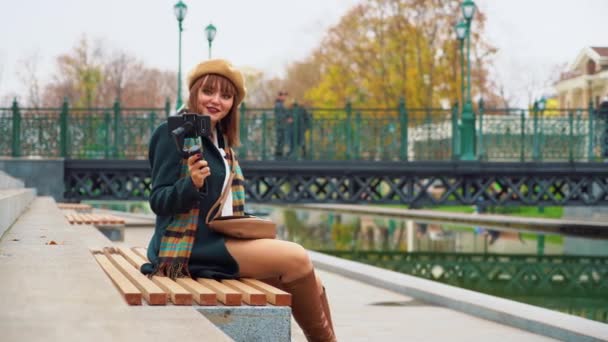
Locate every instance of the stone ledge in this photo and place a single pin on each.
(13, 202)
(8, 182)
(57, 292)
(527, 317)
(261, 323)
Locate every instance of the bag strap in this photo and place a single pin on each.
(220, 201)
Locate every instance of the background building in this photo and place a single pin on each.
(586, 79)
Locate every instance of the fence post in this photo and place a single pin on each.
(571, 136)
(404, 128)
(311, 146)
(243, 128)
(264, 134)
(63, 128)
(536, 145)
(455, 137)
(295, 132)
(167, 107)
(522, 149)
(481, 150)
(107, 124)
(591, 117)
(358, 135)
(152, 122)
(349, 111)
(16, 138)
(116, 129)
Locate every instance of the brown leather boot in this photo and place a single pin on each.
(308, 309)
(326, 310)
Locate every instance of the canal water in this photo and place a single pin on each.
(564, 273)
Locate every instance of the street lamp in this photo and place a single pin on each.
(180, 10)
(461, 33)
(538, 108)
(210, 30)
(467, 128)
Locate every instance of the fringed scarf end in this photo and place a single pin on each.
(171, 270)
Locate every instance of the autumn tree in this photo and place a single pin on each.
(92, 76)
(79, 75)
(29, 74)
(384, 49)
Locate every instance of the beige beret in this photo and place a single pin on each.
(220, 67)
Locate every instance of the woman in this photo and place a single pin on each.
(183, 245)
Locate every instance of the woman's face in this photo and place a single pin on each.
(211, 101)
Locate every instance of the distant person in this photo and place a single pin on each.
(603, 108)
(301, 124)
(281, 120)
(603, 114)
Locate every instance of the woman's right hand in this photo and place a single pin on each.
(199, 170)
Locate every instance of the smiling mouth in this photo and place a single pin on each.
(212, 110)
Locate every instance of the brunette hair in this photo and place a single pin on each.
(229, 125)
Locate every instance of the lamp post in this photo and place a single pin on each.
(210, 30)
(468, 117)
(461, 33)
(538, 108)
(180, 10)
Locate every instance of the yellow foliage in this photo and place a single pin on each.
(383, 50)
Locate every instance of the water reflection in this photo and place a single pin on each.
(558, 272)
(343, 231)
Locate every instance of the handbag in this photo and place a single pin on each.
(242, 227)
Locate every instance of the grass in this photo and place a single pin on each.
(537, 212)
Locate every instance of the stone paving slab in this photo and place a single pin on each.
(56, 292)
(497, 314)
(363, 312)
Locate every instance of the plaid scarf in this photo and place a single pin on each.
(176, 244)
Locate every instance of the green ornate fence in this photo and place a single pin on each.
(574, 284)
(387, 134)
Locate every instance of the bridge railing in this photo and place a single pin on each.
(387, 134)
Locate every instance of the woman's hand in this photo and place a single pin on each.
(198, 170)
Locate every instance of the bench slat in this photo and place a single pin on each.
(152, 293)
(224, 293)
(129, 292)
(202, 294)
(273, 295)
(95, 219)
(142, 252)
(178, 294)
(131, 257)
(251, 296)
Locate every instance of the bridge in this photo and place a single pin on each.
(394, 155)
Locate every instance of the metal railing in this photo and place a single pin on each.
(382, 134)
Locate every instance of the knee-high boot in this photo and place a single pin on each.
(326, 310)
(308, 309)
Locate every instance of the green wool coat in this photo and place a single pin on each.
(172, 195)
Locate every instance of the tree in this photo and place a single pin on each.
(88, 77)
(79, 75)
(119, 70)
(382, 50)
(261, 91)
(28, 73)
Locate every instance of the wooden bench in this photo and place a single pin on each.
(94, 219)
(74, 206)
(229, 304)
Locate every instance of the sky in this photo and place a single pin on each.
(532, 36)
